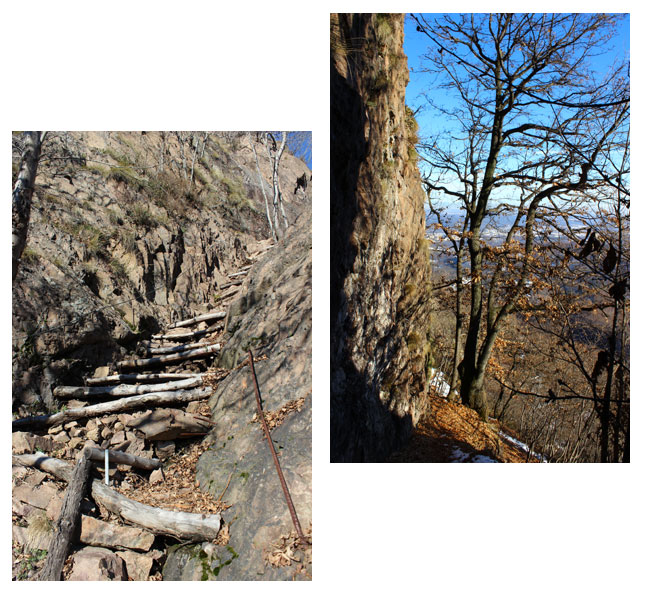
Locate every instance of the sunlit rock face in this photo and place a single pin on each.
(379, 267)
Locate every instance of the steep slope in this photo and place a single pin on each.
(196, 247)
(380, 268)
(128, 232)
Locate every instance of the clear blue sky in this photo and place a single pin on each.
(415, 45)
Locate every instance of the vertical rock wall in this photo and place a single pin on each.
(380, 269)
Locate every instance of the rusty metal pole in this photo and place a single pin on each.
(261, 415)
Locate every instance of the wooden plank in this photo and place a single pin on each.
(67, 521)
(198, 527)
(136, 363)
(125, 404)
(123, 390)
(216, 315)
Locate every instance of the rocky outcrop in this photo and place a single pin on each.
(128, 233)
(380, 268)
(272, 317)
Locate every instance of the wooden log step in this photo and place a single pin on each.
(178, 336)
(176, 348)
(168, 424)
(123, 390)
(236, 274)
(141, 377)
(151, 361)
(198, 527)
(216, 315)
(126, 458)
(233, 283)
(126, 404)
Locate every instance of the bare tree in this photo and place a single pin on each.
(22, 194)
(261, 182)
(529, 129)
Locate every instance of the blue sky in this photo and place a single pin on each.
(415, 45)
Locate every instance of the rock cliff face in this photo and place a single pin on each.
(116, 251)
(130, 231)
(380, 268)
(273, 317)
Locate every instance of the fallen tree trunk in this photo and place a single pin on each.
(142, 377)
(176, 348)
(136, 363)
(67, 520)
(120, 457)
(128, 403)
(168, 424)
(217, 315)
(123, 390)
(198, 527)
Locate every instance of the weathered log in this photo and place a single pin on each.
(233, 283)
(136, 363)
(177, 336)
(216, 315)
(198, 527)
(142, 377)
(168, 424)
(67, 521)
(177, 348)
(126, 458)
(123, 390)
(236, 274)
(128, 403)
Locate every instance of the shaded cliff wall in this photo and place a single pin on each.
(380, 270)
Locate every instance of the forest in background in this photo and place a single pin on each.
(527, 178)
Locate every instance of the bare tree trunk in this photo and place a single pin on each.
(67, 521)
(123, 390)
(141, 377)
(21, 196)
(262, 188)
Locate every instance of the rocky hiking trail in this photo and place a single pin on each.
(151, 416)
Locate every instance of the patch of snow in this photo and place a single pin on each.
(459, 456)
(522, 446)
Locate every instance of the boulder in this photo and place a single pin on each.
(138, 565)
(97, 564)
(26, 442)
(96, 532)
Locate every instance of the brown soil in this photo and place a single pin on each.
(449, 426)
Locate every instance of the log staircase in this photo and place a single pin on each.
(169, 369)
